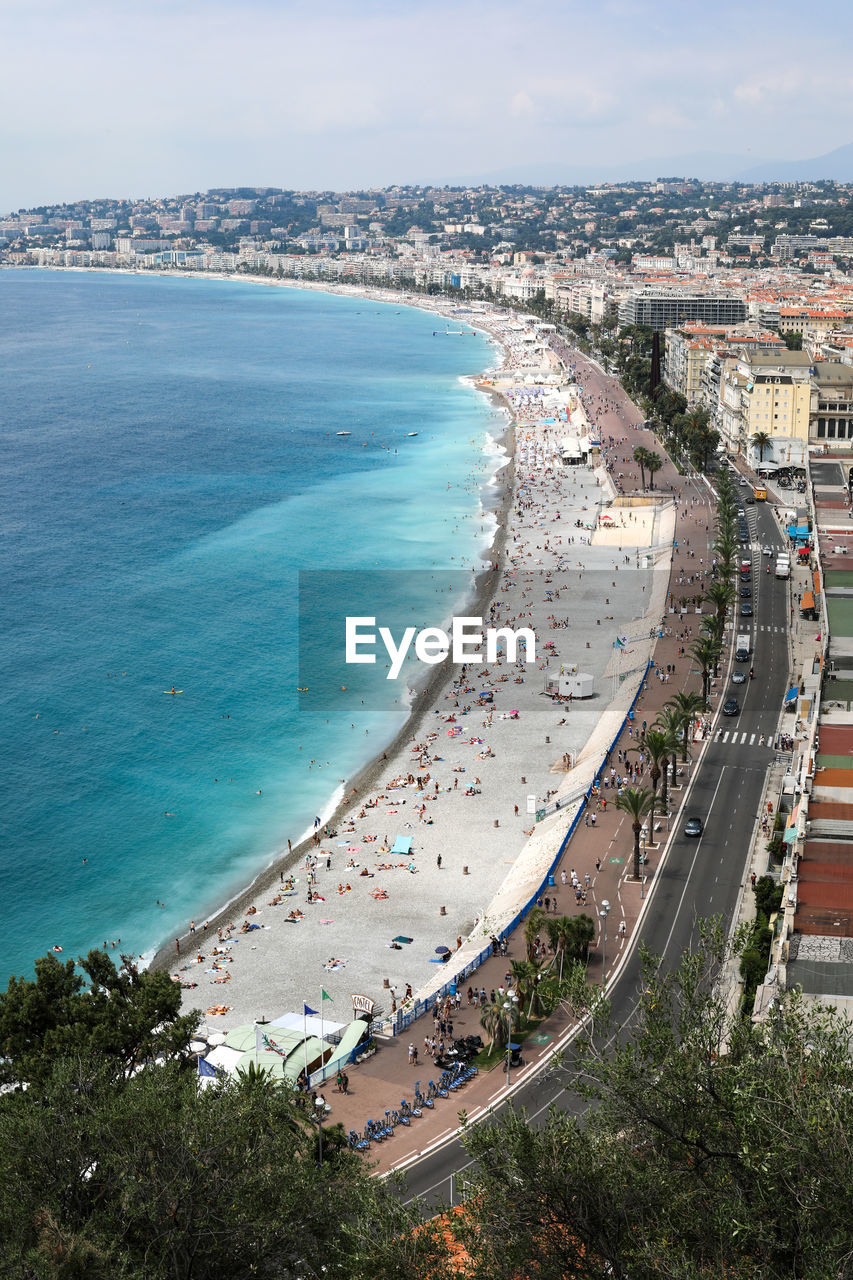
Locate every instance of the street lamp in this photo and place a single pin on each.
(643, 863)
(318, 1116)
(510, 1004)
(604, 913)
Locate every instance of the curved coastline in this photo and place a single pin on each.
(497, 492)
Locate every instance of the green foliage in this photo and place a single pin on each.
(159, 1179)
(714, 1147)
(124, 1015)
(768, 896)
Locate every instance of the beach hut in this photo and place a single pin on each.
(569, 682)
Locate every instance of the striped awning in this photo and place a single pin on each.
(807, 601)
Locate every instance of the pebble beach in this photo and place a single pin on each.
(437, 843)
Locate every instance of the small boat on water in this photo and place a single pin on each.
(411, 433)
(343, 433)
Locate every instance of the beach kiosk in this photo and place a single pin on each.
(569, 682)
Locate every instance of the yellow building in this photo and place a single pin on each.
(769, 393)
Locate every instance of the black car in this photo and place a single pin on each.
(750, 502)
(731, 707)
(746, 610)
(745, 593)
(693, 827)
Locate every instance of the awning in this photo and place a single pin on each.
(807, 601)
(791, 695)
(790, 834)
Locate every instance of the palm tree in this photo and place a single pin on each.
(526, 974)
(707, 654)
(636, 802)
(669, 725)
(641, 456)
(760, 440)
(533, 925)
(570, 935)
(685, 706)
(491, 1020)
(654, 462)
(655, 746)
(721, 595)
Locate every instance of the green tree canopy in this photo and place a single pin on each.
(124, 1015)
(714, 1146)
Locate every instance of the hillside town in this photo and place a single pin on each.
(749, 286)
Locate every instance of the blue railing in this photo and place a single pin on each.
(404, 1018)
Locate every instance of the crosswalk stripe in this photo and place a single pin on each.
(751, 739)
(726, 736)
(742, 739)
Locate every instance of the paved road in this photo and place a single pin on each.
(700, 877)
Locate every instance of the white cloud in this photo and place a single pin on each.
(97, 97)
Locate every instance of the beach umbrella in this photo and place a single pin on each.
(198, 1046)
(442, 951)
(216, 1038)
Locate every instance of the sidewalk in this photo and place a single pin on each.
(386, 1078)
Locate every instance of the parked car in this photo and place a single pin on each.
(693, 827)
(731, 707)
(745, 593)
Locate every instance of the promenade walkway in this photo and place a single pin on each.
(603, 851)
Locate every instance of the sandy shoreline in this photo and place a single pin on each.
(469, 819)
(477, 849)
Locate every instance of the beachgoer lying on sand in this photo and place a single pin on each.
(365, 872)
(252, 911)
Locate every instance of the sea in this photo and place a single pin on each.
(172, 484)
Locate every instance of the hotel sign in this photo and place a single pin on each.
(362, 1004)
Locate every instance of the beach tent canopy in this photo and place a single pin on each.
(223, 1058)
(798, 532)
(402, 845)
(351, 1039)
(242, 1038)
(791, 695)
(294, 1022)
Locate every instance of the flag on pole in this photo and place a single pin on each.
(324, 995)
(306, 1010)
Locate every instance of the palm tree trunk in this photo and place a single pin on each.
(637, 850)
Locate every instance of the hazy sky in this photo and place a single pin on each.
(101, 98)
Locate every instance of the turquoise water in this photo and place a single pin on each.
(170, 462)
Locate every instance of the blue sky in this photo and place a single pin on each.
(127, 100)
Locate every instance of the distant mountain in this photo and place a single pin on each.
(836, 166)
(710, 166)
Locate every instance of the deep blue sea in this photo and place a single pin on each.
(169, 464)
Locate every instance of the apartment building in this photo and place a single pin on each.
(766, 392)
(832, 417)
(662, 308)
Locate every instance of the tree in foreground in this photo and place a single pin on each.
(125, 1016)
(713, 1146)
(154, 1178)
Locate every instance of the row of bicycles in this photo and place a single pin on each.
(377, 1130)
